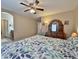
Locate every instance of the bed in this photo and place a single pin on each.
(41, 47)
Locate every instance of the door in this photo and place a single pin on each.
(4, 28)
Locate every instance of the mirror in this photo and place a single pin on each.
(7, 26)
(53, 28)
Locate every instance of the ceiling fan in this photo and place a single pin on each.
(32, 7)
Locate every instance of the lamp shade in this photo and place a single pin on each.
(74, 34)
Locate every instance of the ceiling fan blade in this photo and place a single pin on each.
(24, 4)
(40, 9)
(27, 10)
(37, 2)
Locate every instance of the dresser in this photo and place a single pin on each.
(59, 33)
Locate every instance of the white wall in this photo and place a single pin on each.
(23, 25)
(9, 18)
(71, 16)
(75, 16)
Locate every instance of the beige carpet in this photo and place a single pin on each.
(5, 41)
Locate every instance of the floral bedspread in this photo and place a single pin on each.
(41, 47)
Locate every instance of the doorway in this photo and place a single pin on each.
(4, 28)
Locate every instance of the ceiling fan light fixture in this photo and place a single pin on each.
(33, 6)
(32, 11)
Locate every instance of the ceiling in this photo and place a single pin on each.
(50, 6)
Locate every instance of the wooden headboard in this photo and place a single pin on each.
(59, 33)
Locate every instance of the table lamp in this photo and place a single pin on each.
(74, 34)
